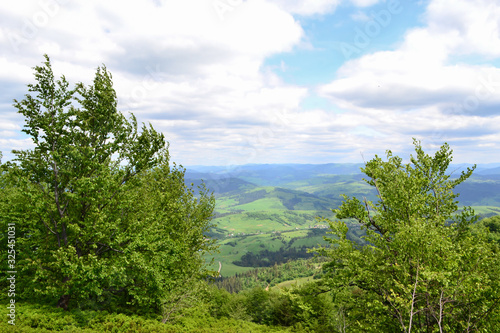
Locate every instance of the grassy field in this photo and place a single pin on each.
(269, 220)
(233, 248)
(486, 211)
(261, 204)
(294, 283)
(265, 218)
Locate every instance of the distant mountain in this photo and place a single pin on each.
(280, 174)
(479, 191)
(267, 209)
(222, 186)
(481, 169)
(490, 171)
(273, 174)
(332, 186)
(318, 187)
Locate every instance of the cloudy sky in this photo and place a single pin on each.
(273, 81)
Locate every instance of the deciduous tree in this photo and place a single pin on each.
(424, 269)
(101, 214)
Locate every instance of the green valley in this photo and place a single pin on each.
(278, 207)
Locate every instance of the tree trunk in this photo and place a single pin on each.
(64, 302)
(64, 299)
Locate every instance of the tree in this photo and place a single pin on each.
(424, 268)
(100, 214)
(493, 225)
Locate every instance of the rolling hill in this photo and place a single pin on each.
(255, 203)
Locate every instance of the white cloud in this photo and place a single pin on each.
(421, 71)
(197, 74)
(360, 16)
(422, 88)
(364, 3)
(181, 65)
(307, 7)
(312, 7)
(473, 26)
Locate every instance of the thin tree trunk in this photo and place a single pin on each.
(64, 302)
(413, 295)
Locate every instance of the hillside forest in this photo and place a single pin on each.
(102, 232)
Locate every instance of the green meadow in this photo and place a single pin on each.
(257, 217)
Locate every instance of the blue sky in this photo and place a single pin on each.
(233, 82)
(327, 33)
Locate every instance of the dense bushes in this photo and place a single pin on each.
(280, 310)
(426, 268)
(493, 225)
(41, 318)
(303, 309)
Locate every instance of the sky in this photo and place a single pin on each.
(232, 82)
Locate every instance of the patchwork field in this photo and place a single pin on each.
(264, 209)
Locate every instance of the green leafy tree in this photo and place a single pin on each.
(100, 214)
(424, 269)
(493, 225)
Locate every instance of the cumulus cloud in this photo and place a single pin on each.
(190, 69)
(423, 71)
(309, 7)
(312, 7)
(472, 26)
(194, 69)
(423, 88)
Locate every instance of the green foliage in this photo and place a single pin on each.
(493, 225)
(43, 318)
(101, 217)
(306, 307)
(424, 268)
(301, 308)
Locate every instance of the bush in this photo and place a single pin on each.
(35, 318)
